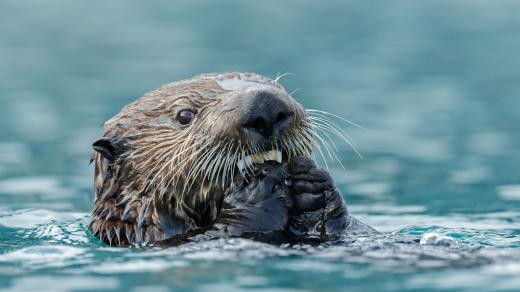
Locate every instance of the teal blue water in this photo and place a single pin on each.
(435, 85)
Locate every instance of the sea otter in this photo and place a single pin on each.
(217, 155)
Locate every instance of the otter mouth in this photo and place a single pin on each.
(249, 161)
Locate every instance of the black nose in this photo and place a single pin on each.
(267, 114)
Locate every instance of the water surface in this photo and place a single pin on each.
(435, 85)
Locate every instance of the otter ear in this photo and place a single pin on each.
(109, 148)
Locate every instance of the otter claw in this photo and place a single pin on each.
(288, 181)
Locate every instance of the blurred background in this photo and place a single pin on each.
(435, 84)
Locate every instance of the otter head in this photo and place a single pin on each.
(166, 160)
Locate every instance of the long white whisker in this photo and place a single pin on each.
(334, 129)
(334, 115)
(334, 153)
(325, 145)
(198, 167)
(294, 91)
(172, 159)
(278, 77)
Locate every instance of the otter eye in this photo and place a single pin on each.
(185, 117)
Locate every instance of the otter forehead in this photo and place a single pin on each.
(236, 81)
(211, 86)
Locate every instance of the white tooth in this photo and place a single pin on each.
(248, 161)
(279, 156)
(261, 157)
(268, 155)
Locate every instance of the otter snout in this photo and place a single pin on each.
(266, 114)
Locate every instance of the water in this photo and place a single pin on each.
(435, 84)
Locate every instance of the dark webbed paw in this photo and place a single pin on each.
(319, 210)
(277, 204)
(260, 206)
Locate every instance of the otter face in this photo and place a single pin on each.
(194, 137)
(167, 161)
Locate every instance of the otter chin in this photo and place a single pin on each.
(217, 155)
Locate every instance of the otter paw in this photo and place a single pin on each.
(319, 209)
(260, 205)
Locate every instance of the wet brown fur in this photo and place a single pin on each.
(165, 182)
